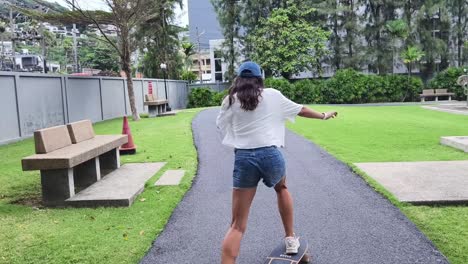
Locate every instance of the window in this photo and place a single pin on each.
(208, 62)
(219, 76)
(218, 65)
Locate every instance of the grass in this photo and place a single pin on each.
(399, 133)
(32, 234)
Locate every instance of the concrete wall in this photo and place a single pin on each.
(217, 87)
(33, 101)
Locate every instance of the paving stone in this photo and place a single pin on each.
(118, 188)
(460, 143)
(460, 108)
(171, 177)
(426, 182)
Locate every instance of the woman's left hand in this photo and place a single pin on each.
(329, 115)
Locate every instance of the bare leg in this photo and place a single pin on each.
(241, 201)
(285, 207)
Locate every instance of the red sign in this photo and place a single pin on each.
(150, 88)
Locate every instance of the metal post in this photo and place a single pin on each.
(165, 86)
(168, 108)
(44, 65)
(13, 44)
(75, 51)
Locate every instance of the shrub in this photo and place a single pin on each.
(447, 79)
(347, 86)
(351, 87)
(204, 97)
(188, 76)
(200, 97)
(282, 85)
(308, 92)
(218, 97)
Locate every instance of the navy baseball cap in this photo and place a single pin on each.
(249, 69)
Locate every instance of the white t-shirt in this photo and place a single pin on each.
(262, 127)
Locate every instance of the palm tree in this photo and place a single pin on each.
(189, 49)
(411, 55)
(397, 30)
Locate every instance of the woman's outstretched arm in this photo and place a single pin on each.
(309, 113)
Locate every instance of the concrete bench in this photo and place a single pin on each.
(155, 107)
(438, 92)
(72, 158)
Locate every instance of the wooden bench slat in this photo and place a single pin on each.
(74, 154)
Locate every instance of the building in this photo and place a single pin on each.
(205, 33)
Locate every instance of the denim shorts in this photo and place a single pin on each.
(251, 165)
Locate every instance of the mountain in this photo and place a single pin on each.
(39, 5)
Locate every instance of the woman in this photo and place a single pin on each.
(253, 121)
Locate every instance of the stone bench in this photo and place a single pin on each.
(155, 107)
(72, 158)
(438, 92)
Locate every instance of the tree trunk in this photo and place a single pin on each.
(125, 57)
(459, 35)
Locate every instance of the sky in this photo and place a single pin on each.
(181, 15)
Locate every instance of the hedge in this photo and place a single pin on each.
(204, 97)
(350, 87)
(346, 87)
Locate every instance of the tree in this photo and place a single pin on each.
(286, 43)
(188, 49)
(411, 55)
(378, 52)
(433, 28)
(158, 38)
(458, 10)
(398, 30)
(229, 18)
(125, 15)
(98, 54)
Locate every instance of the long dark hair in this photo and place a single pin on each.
(248, 90)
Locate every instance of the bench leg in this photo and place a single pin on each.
(437, 98)
(450, 98)
(423, 99)
(109, 161)
(152, 110)
(57, 186)
(87, 173)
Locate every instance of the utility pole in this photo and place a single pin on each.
(75, 52)
(13, 33)
(199, 57)
(44, 65)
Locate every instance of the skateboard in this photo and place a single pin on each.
(278, 255)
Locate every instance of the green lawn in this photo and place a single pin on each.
(103, 235)
(399, 133)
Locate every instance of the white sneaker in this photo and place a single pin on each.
(292, 244)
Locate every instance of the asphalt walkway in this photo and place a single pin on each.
(344, 220)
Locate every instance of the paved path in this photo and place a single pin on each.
(344, 220)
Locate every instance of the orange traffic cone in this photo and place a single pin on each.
(130, 147)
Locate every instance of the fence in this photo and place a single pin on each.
(218, 87)
(33, 101)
